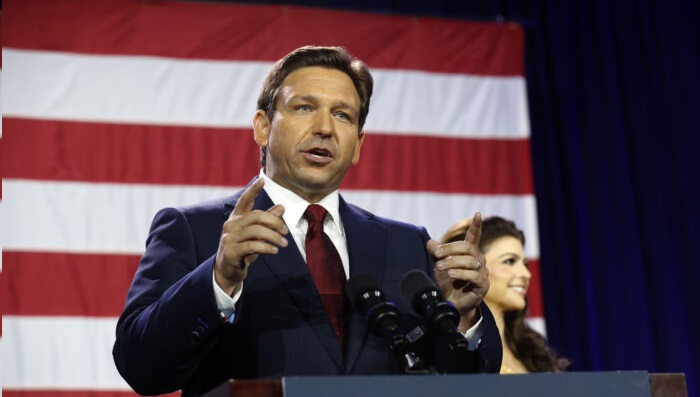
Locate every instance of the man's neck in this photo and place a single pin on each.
(280, 187)
(295, 204)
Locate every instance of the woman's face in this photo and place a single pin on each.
(508, 274)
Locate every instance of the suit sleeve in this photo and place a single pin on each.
(490, 349)
(171, 320)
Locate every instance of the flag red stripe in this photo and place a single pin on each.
(1, 30)
(534, 293)
(36, 283)
(173, 29)
(3, 158)
(173, 155)
(40, 283)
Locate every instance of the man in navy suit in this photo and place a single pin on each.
(223, 290)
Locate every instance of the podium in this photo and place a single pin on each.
(570, 384)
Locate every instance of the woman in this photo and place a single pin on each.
(502, 243)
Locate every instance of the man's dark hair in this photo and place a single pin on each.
(308, 56)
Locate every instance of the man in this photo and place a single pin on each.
(224, 289)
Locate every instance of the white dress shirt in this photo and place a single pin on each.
(294, 208)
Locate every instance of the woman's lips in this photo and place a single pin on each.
(522, 290)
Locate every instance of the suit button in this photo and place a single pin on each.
(196, 335)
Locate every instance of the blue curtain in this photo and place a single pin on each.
(614, 91)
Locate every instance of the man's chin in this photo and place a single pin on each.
(317, 187)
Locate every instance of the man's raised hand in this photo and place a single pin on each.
(246, 234)
(461, 273)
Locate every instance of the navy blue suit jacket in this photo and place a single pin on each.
(172, 336)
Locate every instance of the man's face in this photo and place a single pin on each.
(313, 137)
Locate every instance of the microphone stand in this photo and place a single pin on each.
(409, 361)
(382, 320)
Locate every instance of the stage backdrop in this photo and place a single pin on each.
(113, 109)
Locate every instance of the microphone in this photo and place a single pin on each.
(442, 317)
(383, 318)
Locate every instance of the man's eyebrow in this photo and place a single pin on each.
(346, 106)
(306, 98)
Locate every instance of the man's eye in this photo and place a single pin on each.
(346, 117)
(303, 108)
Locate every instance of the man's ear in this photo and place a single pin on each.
(261, 128)
(358, 146)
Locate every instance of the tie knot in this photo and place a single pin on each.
(315, 213)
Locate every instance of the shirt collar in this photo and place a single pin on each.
(295, 205)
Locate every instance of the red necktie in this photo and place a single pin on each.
(326, 268)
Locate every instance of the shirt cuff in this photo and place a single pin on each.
(225, 303)
(474, 334)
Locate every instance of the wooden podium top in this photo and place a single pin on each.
(668, 385)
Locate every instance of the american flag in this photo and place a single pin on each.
(114, 109)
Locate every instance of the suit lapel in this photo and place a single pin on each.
(290, 269)
(366, 241)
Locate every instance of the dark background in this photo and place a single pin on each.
(614, 97)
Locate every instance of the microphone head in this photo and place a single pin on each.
(367, 298)
(357, 285)
(416, 283)
(426, 300)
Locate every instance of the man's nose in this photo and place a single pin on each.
(323, 124)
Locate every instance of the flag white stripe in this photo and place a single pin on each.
(156, 90)
(538, 324)
(59, 353)
(64, 353)
(438, 212)
(115, 218)
(460, 106)
(2, 361)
